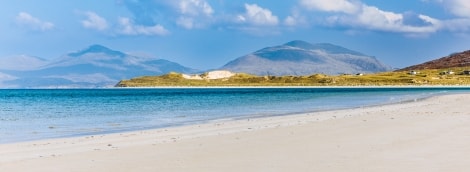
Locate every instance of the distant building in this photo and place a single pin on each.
(413, 72)
(217, 74)
(449, 72)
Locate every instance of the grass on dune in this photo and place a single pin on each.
(422, 77)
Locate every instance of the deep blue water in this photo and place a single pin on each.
(30, 114)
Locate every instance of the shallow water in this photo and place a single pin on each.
(49, 113)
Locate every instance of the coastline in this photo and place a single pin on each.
(267, 86)
(412, 136)
(332, 86)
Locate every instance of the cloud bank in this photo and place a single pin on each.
(160, 18)
(356, 15)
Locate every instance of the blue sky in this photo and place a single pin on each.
(206, 34)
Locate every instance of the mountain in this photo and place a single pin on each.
(303, 58)
(94, 66)
(21, 62)
(461, 59)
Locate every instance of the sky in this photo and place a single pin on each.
(206, 34)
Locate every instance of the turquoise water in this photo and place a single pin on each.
(50, 113)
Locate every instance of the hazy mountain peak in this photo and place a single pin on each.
(302, 58)
(299, 44)
(94, 66)
(326, 47)
(96, 48)
(335, 49)
(22, 62)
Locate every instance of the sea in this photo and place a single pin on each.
(35, 114)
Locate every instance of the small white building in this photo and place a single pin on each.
(449, 72)
(217, 74)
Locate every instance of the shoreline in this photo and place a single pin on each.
(215, 87)
(183, 144)
(359, 86)
(236, 118)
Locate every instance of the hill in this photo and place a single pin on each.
(461, 59)
(94, 66)
(22, 62)
(303, 58)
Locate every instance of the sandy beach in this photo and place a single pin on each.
(427, 135)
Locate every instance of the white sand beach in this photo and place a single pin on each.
(428, 135)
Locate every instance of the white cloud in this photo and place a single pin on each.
(459, 8)
(432, 21)
(127, 27)
(344, 6)
(357, 15)
(258, 16)
(376, 19)
(193, 13)
(195, 7)
(186, 22)
(290, 21)
(27, 20)
(295, 19)
(188, 14)
(457, 25)
(94, 21)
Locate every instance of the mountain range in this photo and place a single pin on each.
(94, 66)
(99, 66)
(303, 58)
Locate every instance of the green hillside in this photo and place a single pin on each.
(422, 77)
